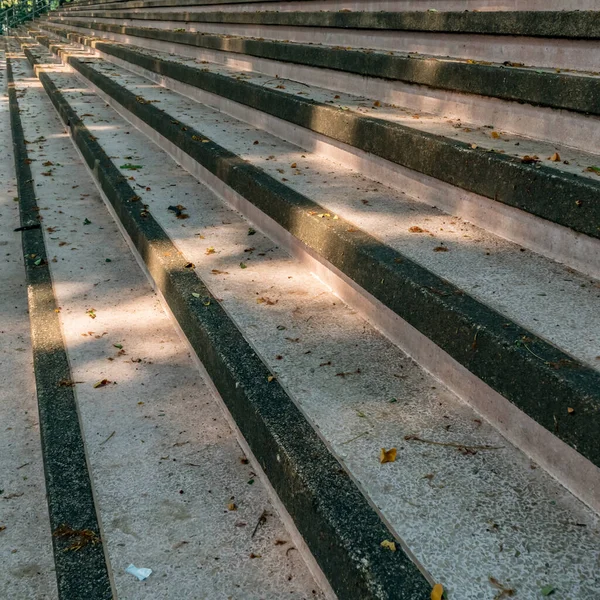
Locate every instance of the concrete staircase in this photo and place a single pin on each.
(377, 226)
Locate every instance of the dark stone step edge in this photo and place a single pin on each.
(564, 198)
(341, 529)
(581, 25)
(81, 574)
(535, 376)
(75, 6)
(523, 85)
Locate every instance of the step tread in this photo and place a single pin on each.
(342, 408)
(162, 485)
(507, 279)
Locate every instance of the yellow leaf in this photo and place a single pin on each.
(495, 135)
(387, 455)
(231, 506)
(270, 378)
(555, 157)
(210, 250)
(389, 545)
(437, 592)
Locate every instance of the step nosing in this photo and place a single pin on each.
(493, 175)
(82, 574)
(342, 530)
(500, 352)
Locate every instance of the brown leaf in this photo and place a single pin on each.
(386, 456)
(437, 593)
(102, 383)
(530, 159)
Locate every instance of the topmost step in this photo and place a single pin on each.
(346, 5)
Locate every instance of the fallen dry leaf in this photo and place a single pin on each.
(101, 383)
(386, 456)
(210, 250)
(530, 159)
(437, 592)
(80, 537)
(555, 157)
(389, 545)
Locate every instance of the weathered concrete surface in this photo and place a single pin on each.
(165, 463)
(507, 357)
(25, 543)
(316, 347)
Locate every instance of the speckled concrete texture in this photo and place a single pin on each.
(578, 432)
(25, 543)
(560, 53)
(173, 488)
(312, 5)
(466, 513)
(506, 279)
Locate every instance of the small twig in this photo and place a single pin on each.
(284, 79)
(355, 438)
(24, 465)
(261, 521)
(467, 447)
(108, 438)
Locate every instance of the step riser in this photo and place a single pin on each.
(576, 473)
(555, 126)
(353, 5)
(564, 54)
(560, 243)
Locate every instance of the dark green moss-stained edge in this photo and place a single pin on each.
(584, 25)
(540, 88)
(532, 374)
(341, 529)
(82, 574)
(545, 191)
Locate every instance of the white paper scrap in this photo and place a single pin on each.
(141, 573)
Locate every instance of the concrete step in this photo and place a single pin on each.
(331, 5)
(358, 390)
(484, 324)
(174, 488)
(487, 177)
(536, 103)
(553, 39)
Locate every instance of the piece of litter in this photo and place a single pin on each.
(140, 573)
